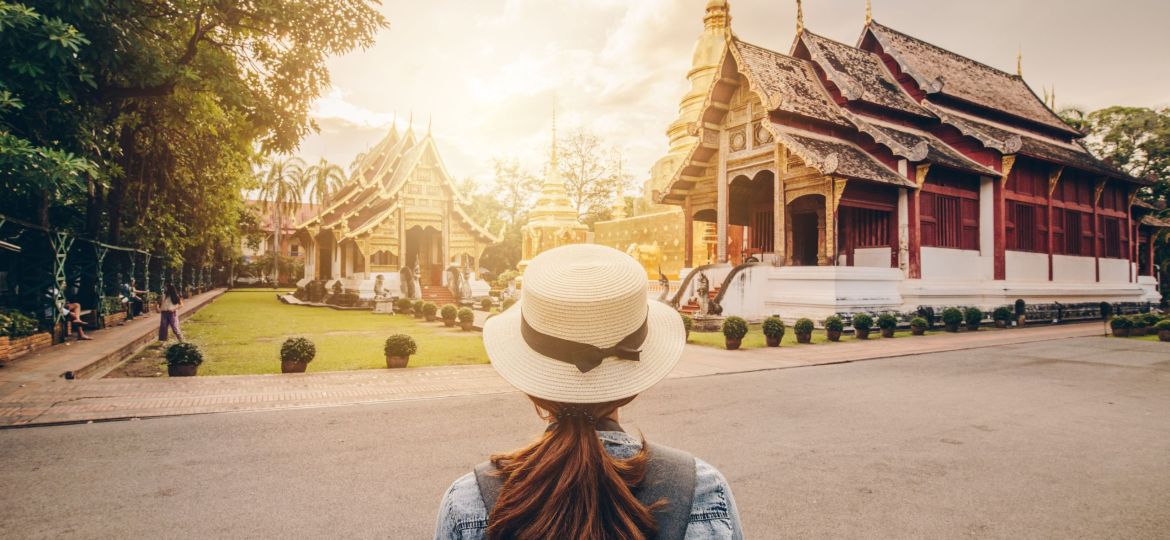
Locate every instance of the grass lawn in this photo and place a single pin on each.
(755, 337)
(241, 333)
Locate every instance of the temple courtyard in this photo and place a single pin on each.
(1052, 438)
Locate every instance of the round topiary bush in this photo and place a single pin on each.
(834, 323)
(183, 359)
(298, 349)
(918, 326)
(887, 321)
(485, 304)
(398, 349)
(952, 318)
(1001, 315)
(430, 309)
(803, 329)
(862, 322)
(734, 327)
(449, 312)
(1163, 329)
(416, 307)
(507, 303)
(1119, 322)
(773, 329)
(973, 316)
(466, 317)
(403, 305)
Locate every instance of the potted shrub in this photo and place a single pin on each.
(773, 331)
(417, 309)
(1001, 316)
(862, 323)
(973, 316)
(183, 359)
(803, 329)
(688, 324)
(1163, 328)
(430, 310)
(888, 323)
(1021, 307)
(507, 303)
(466, 318)
(918, 326)
(403, 305)
(295, 355)
(1137, 326)
(486, 303)
(952, 318)
(449, 312)
(734, 329)
(833, 328)
(1151, 319)
(398, 349)
(1121, 326)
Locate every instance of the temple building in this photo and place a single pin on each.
(400, 219)
(887, 175)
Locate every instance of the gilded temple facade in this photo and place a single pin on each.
(401, 210)
(883, 176)
(553, 222)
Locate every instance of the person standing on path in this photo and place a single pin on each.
(169, 307)
(584, 341)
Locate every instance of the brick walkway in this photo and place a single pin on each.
(55, 400)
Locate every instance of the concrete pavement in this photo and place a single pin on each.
(1058, 439)
(50, 399)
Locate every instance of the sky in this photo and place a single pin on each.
(483, 73)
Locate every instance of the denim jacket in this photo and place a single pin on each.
(462, 515)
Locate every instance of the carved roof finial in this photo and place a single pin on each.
(1020, 61)
(718, 14)
(868, 12)
(430, 120)
(410, 123)
(799, 18)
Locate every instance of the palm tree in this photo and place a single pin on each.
(281, 187)
(323, 180)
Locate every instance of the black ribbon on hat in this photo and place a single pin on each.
(583, 355)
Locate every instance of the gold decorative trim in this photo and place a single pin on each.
(920, 173)
(1054, 179)
(1008, 162)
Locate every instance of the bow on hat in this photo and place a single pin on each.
(583, 355)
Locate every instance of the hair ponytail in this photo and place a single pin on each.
(565, 485)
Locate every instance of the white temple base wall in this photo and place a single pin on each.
(957, 264)
(872, 257)
(1025, 266)
(817, 292)
(1115, 271)
(990, 294)
(1149, 287)
(1067, 268)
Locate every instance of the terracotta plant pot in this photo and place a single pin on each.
(466, 326)
(972, 327)
(1001, 324)
(887, 332)
(861, 334)
(732, 344)
(1164, 336)
(449, 323)
(952, 328)
(1121, 332)
(397, 362)
(772, 341)
(182, 370)
(804, 338)
(1021, 321)
(833, 335)
(430, 318)
(292, 366)
(918, 330)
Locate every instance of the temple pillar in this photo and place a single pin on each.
(999, 217)
(779, 207)
(688, 234)
(1096, 228)
(335, 263)
(445, 256)
(903, 232)
(1053, 181)
(721, 195)
(346, 260)
(1150, 253)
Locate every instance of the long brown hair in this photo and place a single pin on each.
(566, 486)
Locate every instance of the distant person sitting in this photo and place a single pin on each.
(73, 315)
(130, 297)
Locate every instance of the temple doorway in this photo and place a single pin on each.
(324, 266)
(751, 226)
(806, 225)
(427, 245)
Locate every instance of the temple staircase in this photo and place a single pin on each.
(438, 294)
(692, 307)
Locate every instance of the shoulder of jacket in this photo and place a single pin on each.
(712, 499)
(462, 504)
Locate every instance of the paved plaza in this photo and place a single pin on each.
(1054, 439)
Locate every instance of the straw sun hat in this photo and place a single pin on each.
(584, 330)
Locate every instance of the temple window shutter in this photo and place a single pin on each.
(929, 223)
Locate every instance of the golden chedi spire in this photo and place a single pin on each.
(705, 58)
(799, 17)
(553, 222)
(868, 12)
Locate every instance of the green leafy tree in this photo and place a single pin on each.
(281, 188)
